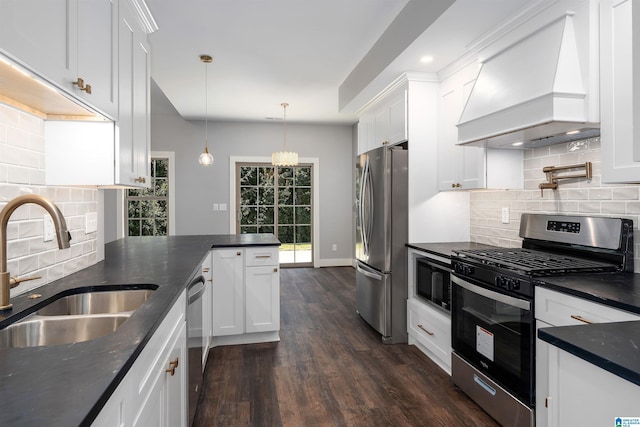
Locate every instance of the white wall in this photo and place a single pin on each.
(572, 196)
(22, 171)
(199, 187)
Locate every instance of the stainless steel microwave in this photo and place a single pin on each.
(433, 282)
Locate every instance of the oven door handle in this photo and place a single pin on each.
(503, 298)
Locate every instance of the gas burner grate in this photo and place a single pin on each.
(535, 262)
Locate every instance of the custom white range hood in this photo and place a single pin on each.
(531, 94)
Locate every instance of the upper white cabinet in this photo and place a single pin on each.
(133, 130)
(114, 153)
(466, 167)
(63, 41)
(620, 90)
(385, 123)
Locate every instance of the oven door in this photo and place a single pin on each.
(493, 332)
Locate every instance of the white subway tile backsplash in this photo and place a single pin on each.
(576, 196)
(22, 171)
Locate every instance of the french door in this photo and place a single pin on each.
(277, 200)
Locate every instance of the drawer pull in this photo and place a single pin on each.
(275, 270)
(172, 367)
(581, 319)
(238, 253)
(205, 270)
(426, 330)
(263, 256)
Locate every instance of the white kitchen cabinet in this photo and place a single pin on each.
(133, 130)
(109, 153)
(620, 90)
(582, 394)
(64, 40)
(228, 291)
(470, 167)
(262, 290)
(246, 295)
(154, 391)
(207, 307)
(430, 330)
(385, 123)
(554, 308)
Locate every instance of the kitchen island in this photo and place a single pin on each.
(68, 384)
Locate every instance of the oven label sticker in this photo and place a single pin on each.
(484, 342)
(627, 421)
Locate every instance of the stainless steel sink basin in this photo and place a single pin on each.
(81, 316)
(37, 330)
(119, 301)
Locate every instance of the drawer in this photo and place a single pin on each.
(431, 328)
(558, 309)
(257, 256)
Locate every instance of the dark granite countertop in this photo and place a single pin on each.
(614, 347)
(67, 385)
(446, 249)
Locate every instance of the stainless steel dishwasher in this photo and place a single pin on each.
(195, 291)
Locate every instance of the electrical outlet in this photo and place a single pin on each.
(334, 247)
(505, 215)
(223, 206)
(49, 229)
(216, 207)
(91, 222)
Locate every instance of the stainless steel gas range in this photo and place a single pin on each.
(493, 291)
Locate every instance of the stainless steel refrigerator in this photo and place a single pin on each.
(381, 235)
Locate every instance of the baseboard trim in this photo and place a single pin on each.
(336, 262)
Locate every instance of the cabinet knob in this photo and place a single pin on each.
(385, 142)
(87, 89)
(238, 253)
(456, 185)
(141, 179)
(80, 83)
(172, 367)
(275, 270)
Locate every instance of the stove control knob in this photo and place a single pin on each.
(514, 285)
(468, 270)
(501, 282)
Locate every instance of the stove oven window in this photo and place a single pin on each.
(495, 337)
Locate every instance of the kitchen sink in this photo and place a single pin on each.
(36, 330)
(84, 314)
(119, 301)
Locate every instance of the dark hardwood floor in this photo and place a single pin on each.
(329, 369)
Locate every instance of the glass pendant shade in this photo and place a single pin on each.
(205, 159)
(284, 157)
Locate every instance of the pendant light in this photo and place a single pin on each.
(206, 159)
(284, 157)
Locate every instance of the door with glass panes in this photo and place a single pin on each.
(277, 200)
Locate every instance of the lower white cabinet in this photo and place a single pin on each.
(582, 394)
(430, 330)
(207, 307)
(553, 367)
(246, 295)
(154, 392)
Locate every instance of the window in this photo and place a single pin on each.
(148, 208)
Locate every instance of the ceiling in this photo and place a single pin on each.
(305, 52)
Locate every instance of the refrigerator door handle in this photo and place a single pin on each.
(361, 207)
(367, 210)
(368, 273)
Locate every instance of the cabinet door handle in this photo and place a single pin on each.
(141, 179)
(263, 256)
(238, 253)
(80, 83)
(172, 367)
(275, 270)
(581, 319)
(426, 330)
(87, 89)
(205, 270)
